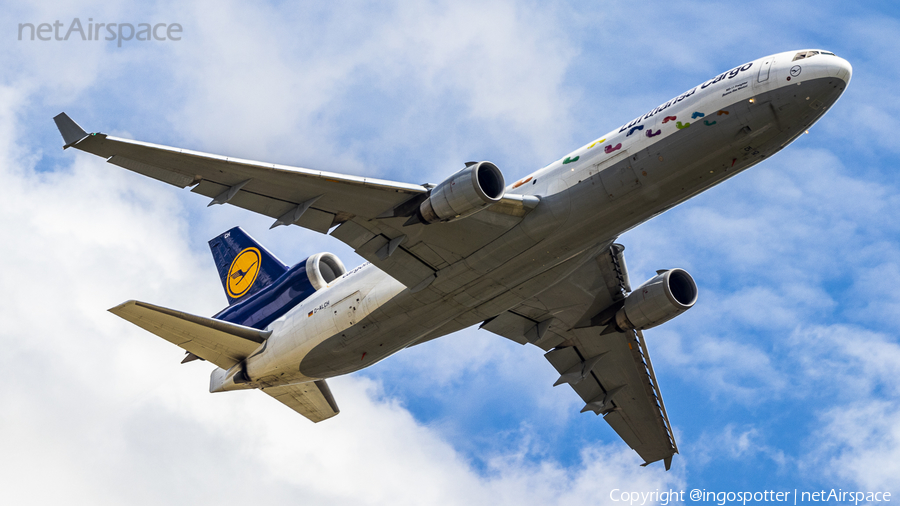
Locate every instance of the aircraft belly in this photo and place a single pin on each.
(368, 342)
(373, 340)
(666, 173)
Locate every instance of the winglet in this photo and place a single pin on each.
(71, 132)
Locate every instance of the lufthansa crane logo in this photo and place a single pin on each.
(243, 271)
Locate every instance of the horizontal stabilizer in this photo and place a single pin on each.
(219, 342)
(71, 132)
(312, 400)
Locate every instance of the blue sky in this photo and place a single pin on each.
(784, 376)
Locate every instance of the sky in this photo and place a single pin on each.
(785, 376)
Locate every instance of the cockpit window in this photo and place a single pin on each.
(804, 54)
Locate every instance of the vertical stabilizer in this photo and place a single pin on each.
(245, 266)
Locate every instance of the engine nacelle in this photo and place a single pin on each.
(290, 289)
(464, 193)
(323, 268)
(657, 301)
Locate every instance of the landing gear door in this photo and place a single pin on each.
(764, 70)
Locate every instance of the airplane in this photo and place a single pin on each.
(535, 261)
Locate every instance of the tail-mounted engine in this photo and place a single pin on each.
(657, 301)
(464, 193)
(323, 268)
(291, 288)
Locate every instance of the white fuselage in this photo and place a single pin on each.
(588, 198)
(325, 314)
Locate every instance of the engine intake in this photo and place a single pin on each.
(290, 289)
(464, 193)
(323, 268)
(665, 296)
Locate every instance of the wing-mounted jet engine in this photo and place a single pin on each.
(463, 194)
(665, 296)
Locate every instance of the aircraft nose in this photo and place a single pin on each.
(840, 68)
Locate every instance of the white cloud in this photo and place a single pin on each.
(855, 372)
(859, 441)
(735, 442)
(284, 84)
(725, 368)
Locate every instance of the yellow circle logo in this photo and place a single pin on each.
(243, 271)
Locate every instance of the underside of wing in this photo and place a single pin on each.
(610, 370)
(292, 195)
(312, 400)
(222, 343)
(612, 375)
(371, 215)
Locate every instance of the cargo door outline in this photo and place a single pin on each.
(344, 311)
(620, 178)
(764, 70)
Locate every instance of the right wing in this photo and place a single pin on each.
(611, 371)
(312, 400)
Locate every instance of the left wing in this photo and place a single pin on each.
(371, 214)
(611, 371)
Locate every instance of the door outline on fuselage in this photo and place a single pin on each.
(618, 178)
(344, 311)
(764, 70)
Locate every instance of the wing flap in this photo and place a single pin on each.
(221, 343)
(311, 218)
(622, 426)
(312, 400)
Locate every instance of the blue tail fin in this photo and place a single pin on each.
(245, 266)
